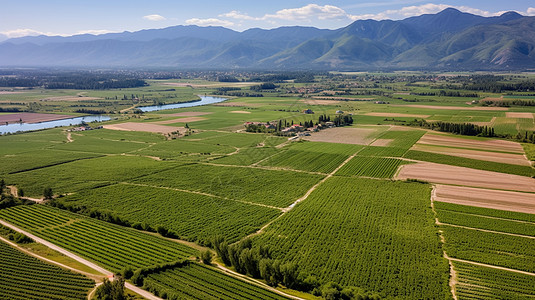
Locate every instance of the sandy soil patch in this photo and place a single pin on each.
(31, 118)
(506, 158)
(10, 93)
(239, 112)
(379, 114)
(520, 115)
(320, 102)
(146, 127)
(453, 107)
(503, 200)
(69, 98)
(189, 114)
(359, 136)
(237, 104)
(181, 120)
(492, 145)
(381, 142)
(446, 174)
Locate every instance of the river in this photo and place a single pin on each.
(20, 127)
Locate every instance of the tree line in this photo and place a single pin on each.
(456, 128)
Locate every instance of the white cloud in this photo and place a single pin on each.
(154, 18)
(531, 11)
(24, 32)
(238, 16)
(308, 12)
(209, 22)
(95, 31)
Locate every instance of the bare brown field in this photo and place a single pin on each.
(379, 114)
(145, 127)
(320, 102)
(214, 84)
(359, 136)
(31, 117)
(381, 142)
(520, 115)
(506, 158)
(502, 200)
(452, 107)
(10, 92)
(445, 174)
(239, 112)
(189, 114)
(181, 120)
(69, 98)
(491, 145)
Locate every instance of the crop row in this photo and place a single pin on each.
(190, 216)
(272, 187)
(490, 248)
(377, 167)
(482, 211)
(25, 277)
(470, 163)
(479, 282)
(483, 222)
(307, 161)
(378, 235)
(403, 139)
(111, 246)
(195, 281)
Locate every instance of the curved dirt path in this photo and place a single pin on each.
(15, 192)
(93, 266)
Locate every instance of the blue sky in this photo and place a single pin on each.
(68, 17)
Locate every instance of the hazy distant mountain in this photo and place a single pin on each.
(446, 40)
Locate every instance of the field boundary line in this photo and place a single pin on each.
(491, 266)
(453, 274)
(486, 230)
(93, 266)
(200, 193)
(484, 216)
(263, 168)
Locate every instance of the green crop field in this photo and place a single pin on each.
(270, 187)
(377, 235)
(481, 211)
(195, 281)
(191, 216)
(470, 163)
(487, 223)
(478, 282)
(110, 246)
(377, 167)
(490, 248)
(25, 277)
(88, 173)
(307, 161)
(247, 156)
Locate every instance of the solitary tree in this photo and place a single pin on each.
(20, 192)
(206, 257)
(48, 193)
(111, 290)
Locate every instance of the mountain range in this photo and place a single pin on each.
(448, 40)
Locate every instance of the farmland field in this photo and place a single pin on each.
(477, 282)
(173, 210)
(270, 187)
(111, 246)
(377, 167)
(307, 161)
(195, 281)
(345, 217)
(25, 277)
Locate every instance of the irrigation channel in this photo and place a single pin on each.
(21, 127)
